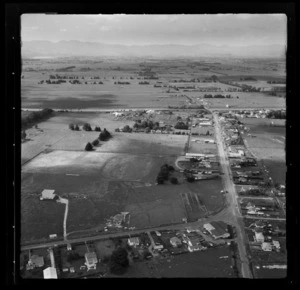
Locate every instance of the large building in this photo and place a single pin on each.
(50, 273)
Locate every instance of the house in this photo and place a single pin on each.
(91, 260)
(193, 244)
(158, 246)
(36, 261)
(48, 194)
(175, 242)
(220, 230)
(217, 230)
(259, 237)
(266, 247)
(50, 273)
(135, 241)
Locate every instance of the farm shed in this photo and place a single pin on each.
(48, 194)
(50, 273)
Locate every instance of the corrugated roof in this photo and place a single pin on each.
(48, 193)
(50, 273)
(91, 258)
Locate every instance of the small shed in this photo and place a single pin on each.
(50, 273)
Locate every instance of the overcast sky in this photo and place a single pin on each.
(216, 29)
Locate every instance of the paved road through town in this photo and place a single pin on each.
(232, 200)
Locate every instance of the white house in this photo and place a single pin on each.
(91, 260)
(259, 237)
(133, 241)
(266, 247)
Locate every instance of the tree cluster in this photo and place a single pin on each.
(104, 135)
(34, 117)
(181, 125)
(217, 96)
(276, 114)
(87, 127)
(164, 173)
(146, 124)
(119, 261)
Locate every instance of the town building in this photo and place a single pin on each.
(91, 260)
(50, 273)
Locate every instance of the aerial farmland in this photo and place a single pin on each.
(151, 165)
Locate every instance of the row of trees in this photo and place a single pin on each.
(34, 117)
(277, 114)
(85, 127)
(122, 83)
(103, 136)
(217, 96)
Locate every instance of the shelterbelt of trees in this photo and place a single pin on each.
(35, 117)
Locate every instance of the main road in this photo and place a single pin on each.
(232, 200)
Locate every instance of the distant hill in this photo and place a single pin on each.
(78, 48)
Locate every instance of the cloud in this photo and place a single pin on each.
(63, 30)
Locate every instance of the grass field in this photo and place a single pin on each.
(268, 145)
(110, 95)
